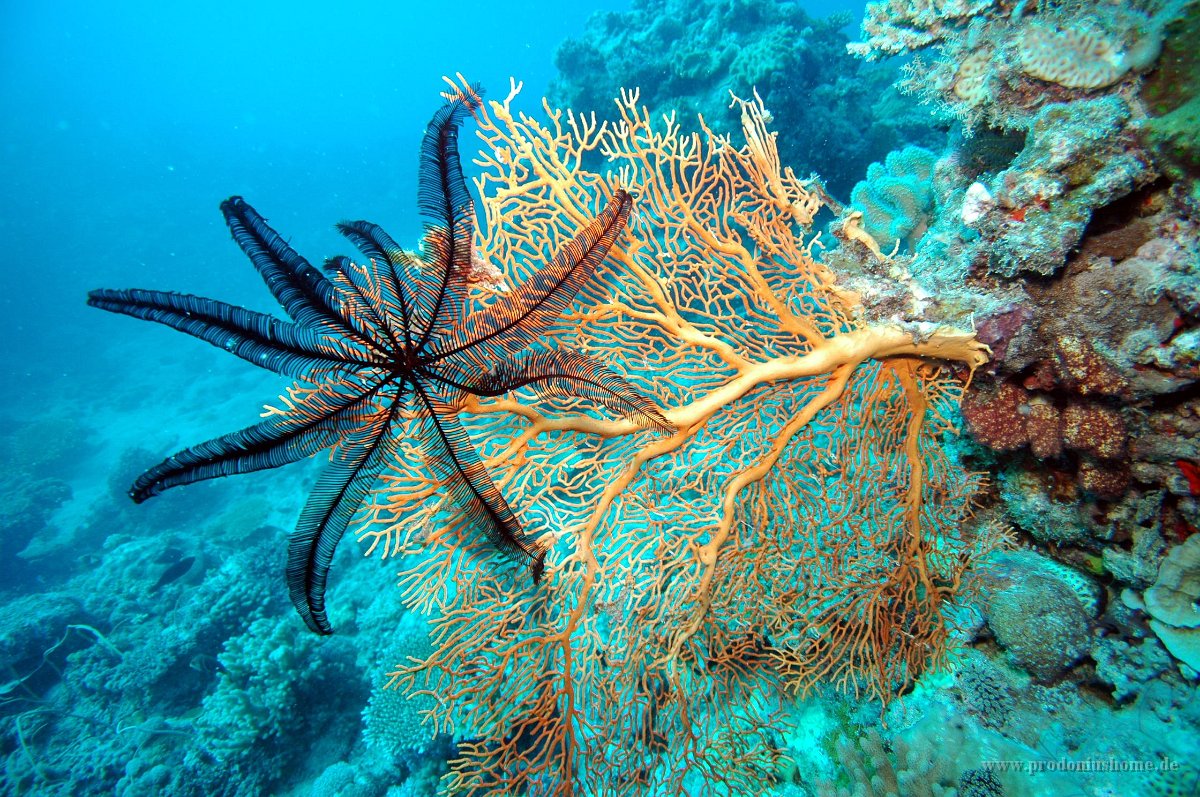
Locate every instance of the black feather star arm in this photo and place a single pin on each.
(444, 200)
(456, 464)
(256, 337)
(333, 503)
(570, 373)
(304, 293)
(357, 302)
(316, 423)
(512, 323)
(442, 193)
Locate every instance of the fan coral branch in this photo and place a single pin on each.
(800, 521)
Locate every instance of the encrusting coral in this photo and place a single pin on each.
(688, 577)
(1173, 603)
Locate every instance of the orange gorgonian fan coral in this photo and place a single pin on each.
(803, 522)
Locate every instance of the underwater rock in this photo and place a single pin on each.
(1137, 565)
(1030, 503)
(31, 627)
(1078, 157)
(1094, 387)
(26, 507)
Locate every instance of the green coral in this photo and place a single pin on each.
(1176, 138)
(897, 198)
(255, 699)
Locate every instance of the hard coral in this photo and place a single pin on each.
(985, 690)
(393, 722)
(891, 27)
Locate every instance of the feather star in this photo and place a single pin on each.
(386, 349)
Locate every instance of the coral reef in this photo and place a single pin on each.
(799, 587)
(835, 115)
(199, 686)
(1000, 62)
(1064, 224)
(1065, 232)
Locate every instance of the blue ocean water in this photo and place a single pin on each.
(125, 125)
(121, 129)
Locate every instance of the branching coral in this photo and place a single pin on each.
(801, 524)
(896, 26)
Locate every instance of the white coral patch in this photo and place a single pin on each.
(977, 203)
